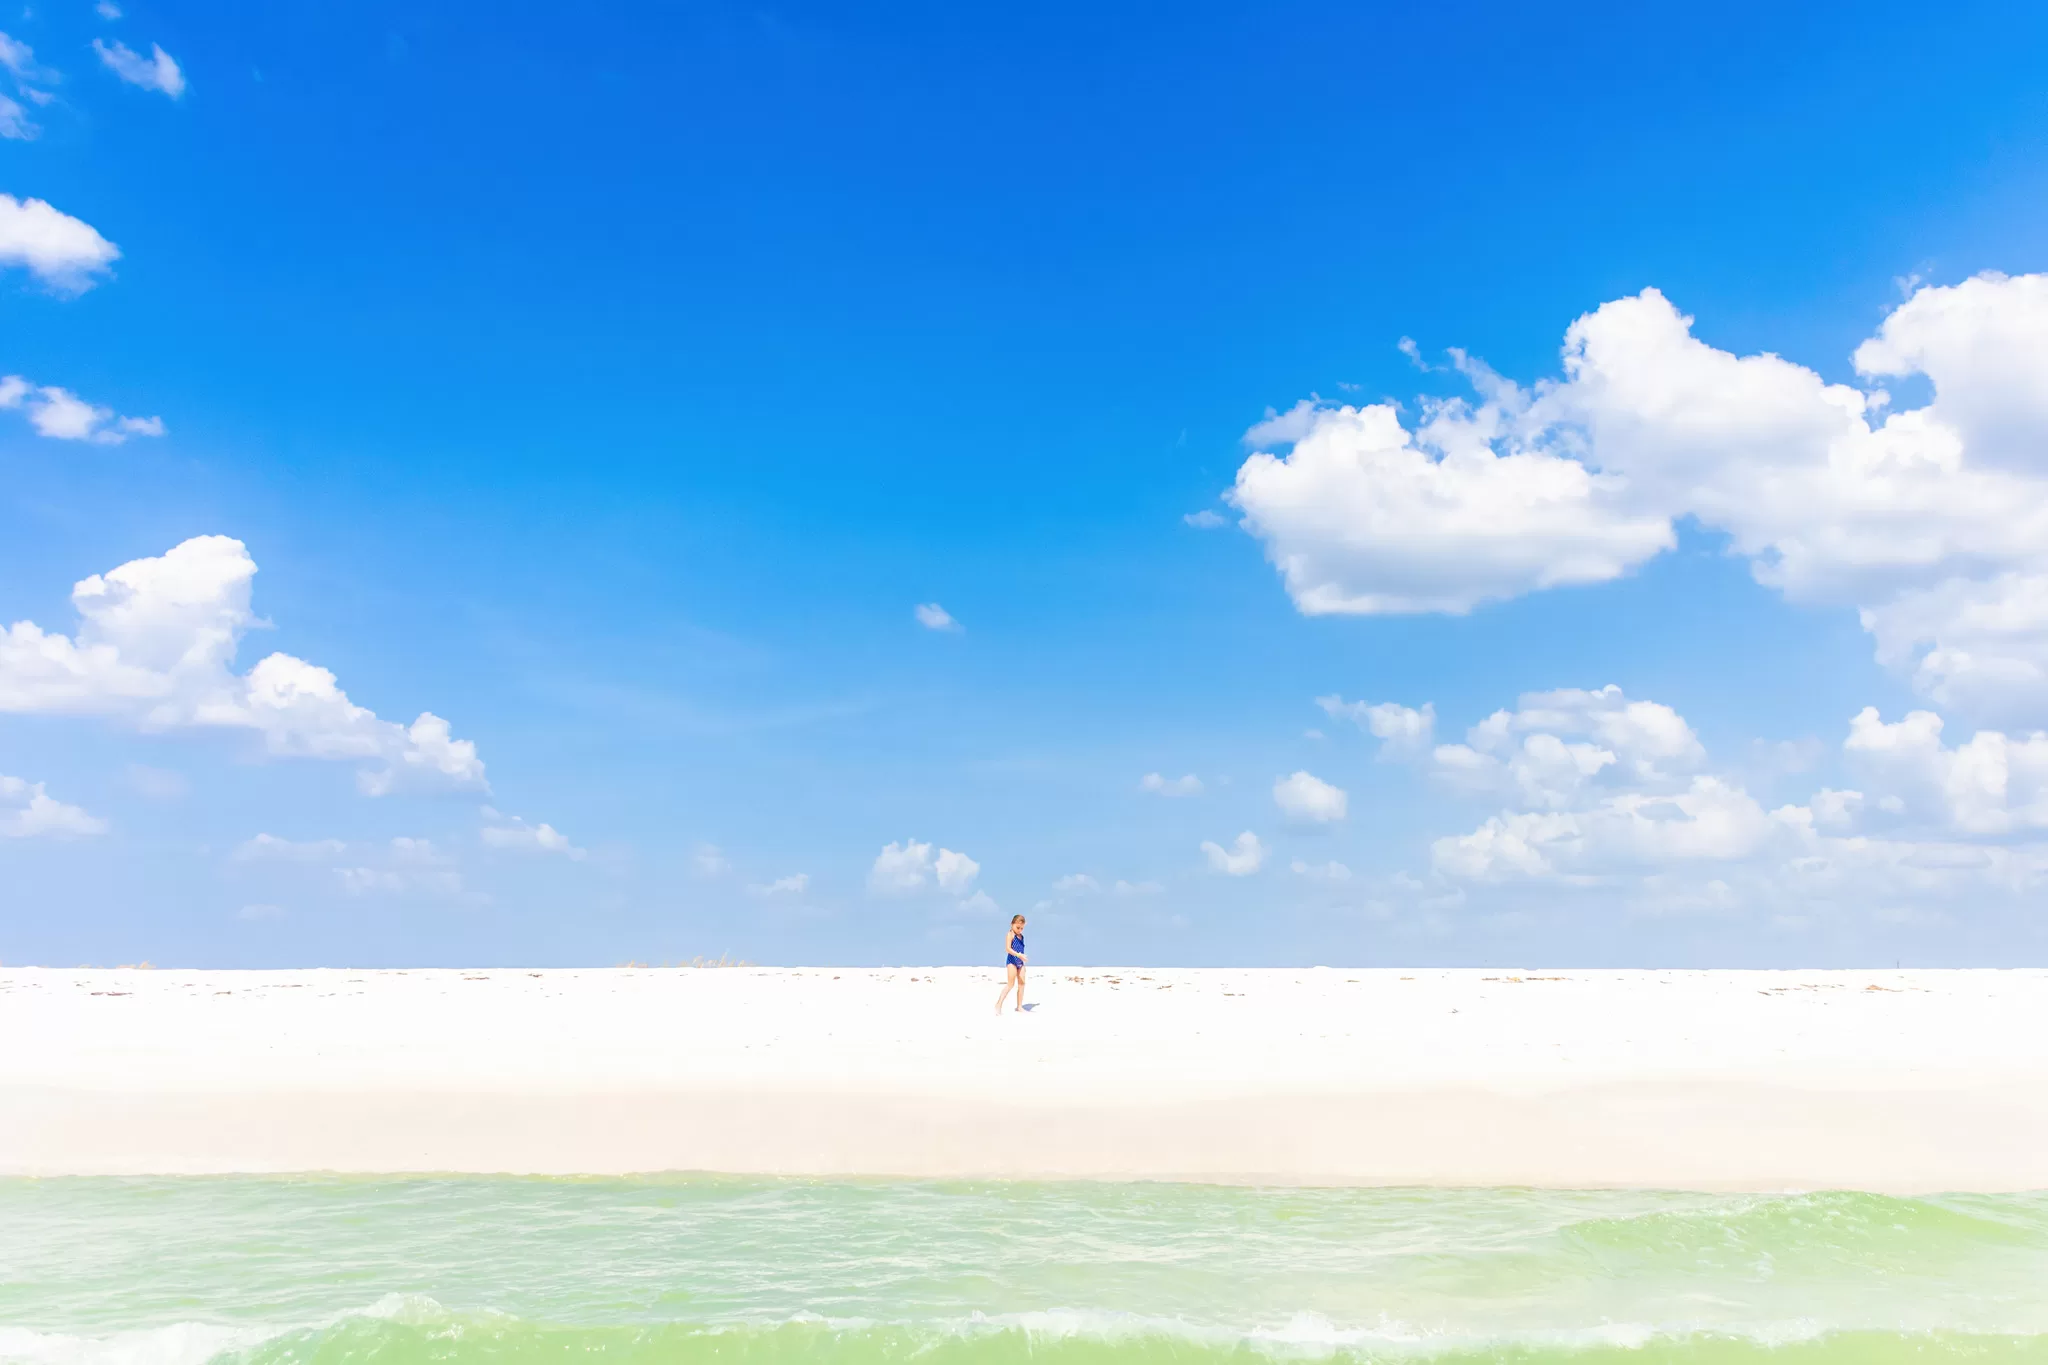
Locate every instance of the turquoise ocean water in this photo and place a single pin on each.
(329, 1270)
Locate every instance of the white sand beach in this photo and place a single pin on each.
(1892, 1081)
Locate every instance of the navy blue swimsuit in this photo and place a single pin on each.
(1016, 947)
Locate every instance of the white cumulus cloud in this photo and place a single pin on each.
(1556, 745)
(63, 252)
(955, 871)
(1990, 784)
(932, 616)
(1245, 855)
(1931, 522)
(1365, 517)
(1599, 791)
(157, 71)
(1306, 797)
(64, 416)
(793, 885)
(1186, 785)
(155, 648)
(1596, 784)
(27, 811)
(909, 866)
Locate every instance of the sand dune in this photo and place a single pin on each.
(1896, 1081)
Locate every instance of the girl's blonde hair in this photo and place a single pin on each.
(1016, 920)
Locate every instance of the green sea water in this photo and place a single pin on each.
(688, 1269)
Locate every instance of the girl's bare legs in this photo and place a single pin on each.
(1020, 990)
(1012, 978)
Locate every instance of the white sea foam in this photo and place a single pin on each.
(1308, 1335)
(180, 1343)
(195, 1343)
(1302, 1336)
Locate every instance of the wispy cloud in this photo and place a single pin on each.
(27, 812)
(1403, 729)
(62, 415)
(509, 831)
(1323, 872)
(157, 71)
(20, 60)
(932, 616)
(15, 122)
(157, 784)
(270, 848)
(980, 903)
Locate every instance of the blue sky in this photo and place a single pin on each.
(614, 386)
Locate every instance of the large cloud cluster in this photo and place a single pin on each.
(1593, 783)
(1932, 521)
(155, 648)
(1593, 788)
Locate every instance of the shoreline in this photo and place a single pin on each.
(1896, 1082)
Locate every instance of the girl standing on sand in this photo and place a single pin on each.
(1013, 964)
